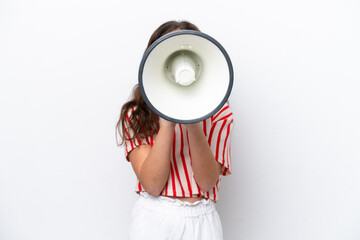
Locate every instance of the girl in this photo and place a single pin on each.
(178, 166)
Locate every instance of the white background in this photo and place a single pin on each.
(66, 68)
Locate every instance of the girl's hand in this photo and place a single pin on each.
(194, 126)
(166, 123)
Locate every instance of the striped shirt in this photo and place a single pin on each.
(181, 182)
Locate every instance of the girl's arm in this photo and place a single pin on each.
(152, 164)
(206, 168)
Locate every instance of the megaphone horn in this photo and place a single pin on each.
(185, 76)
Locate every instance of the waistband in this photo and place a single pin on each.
(176, 207)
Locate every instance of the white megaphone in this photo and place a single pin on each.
(185, 76)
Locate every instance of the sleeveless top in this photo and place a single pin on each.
(181, 182)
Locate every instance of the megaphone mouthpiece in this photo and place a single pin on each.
(183, 68)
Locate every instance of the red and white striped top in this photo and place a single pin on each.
(181, 182)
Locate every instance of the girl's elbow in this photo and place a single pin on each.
(154, 191)
(206, 187)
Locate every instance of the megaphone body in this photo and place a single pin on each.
(185, 76)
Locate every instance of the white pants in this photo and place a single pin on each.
(161, 218)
